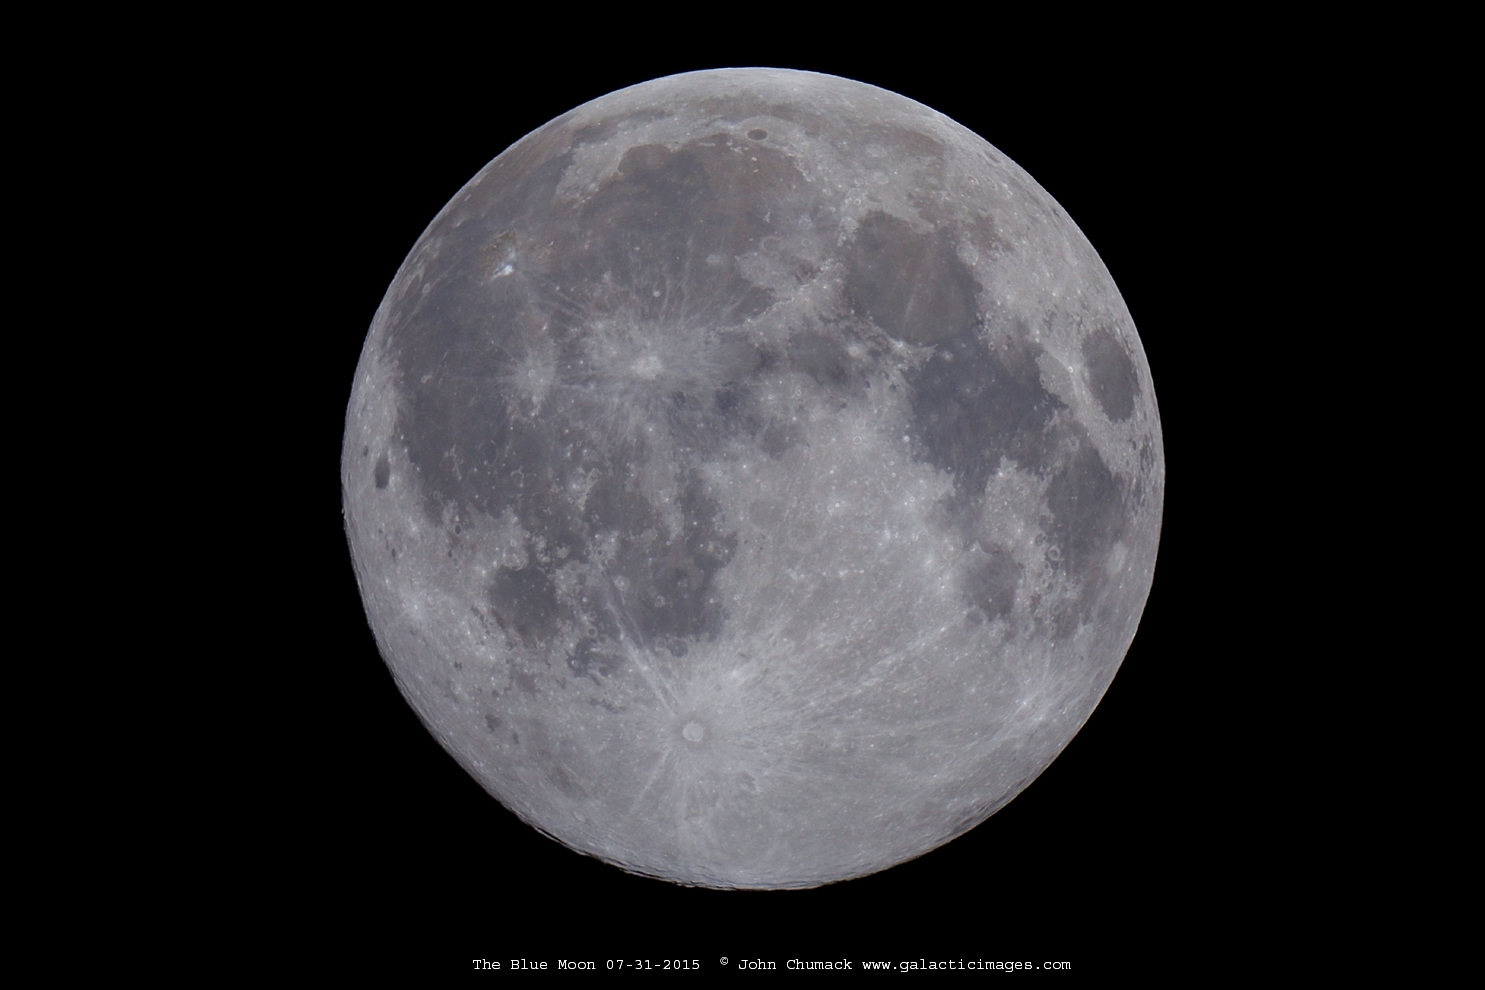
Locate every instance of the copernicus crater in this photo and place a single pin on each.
(753, 479)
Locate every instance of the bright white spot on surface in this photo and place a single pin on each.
(694, 732)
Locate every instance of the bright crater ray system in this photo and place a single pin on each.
(753, 478)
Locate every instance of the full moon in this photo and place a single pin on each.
(753, 479)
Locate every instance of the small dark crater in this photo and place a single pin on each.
(491, 723)
(382, 473)
(757, 134)
(1112, 374)
(678, 648)
(514, 737)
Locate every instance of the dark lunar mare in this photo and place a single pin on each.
(658, 242)
(653, 232)
(1116, 384)
(976, 405)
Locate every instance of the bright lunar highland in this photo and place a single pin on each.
(753, 478)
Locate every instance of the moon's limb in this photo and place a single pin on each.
(754, 478)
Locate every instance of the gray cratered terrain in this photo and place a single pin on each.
(753, 478)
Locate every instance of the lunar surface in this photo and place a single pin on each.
(753, 479)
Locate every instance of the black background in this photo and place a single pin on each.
(374, 844)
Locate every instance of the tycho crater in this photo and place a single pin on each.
(753, 478)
